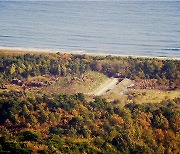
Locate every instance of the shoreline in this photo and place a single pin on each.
(53, 51)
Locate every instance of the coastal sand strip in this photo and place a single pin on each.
(34, 50)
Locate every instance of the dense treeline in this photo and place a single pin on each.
(65, 123)
(24, 65)
(71, 124)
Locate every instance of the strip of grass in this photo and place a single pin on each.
(85, 83)
(144, 96)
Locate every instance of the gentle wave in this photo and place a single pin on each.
(173, 49)
(109, 27)
(5, 36)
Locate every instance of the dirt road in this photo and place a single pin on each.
(108, 85)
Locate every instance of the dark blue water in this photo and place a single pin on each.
(113, 27)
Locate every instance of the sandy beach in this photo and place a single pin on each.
(40, 51)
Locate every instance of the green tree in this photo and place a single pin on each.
(63, 70)
(160, 121)
(29, 135)
(25, 110)
(13, 69)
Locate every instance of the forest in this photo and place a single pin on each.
(23, 65)
(71, 124)
(78, 123)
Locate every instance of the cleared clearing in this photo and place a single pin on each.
(150, 96)
(122, 87)
(77, 84)
(104, 88)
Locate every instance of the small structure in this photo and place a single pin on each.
(117, 75)
(131, 86)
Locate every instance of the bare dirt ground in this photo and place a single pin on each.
(104, 88)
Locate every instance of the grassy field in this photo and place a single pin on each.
(151, 96)
(89, 82)
(120, 88)
(85, 83)
(144, 96)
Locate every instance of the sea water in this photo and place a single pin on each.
(141, 28)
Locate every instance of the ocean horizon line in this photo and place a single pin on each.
(45, 50)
